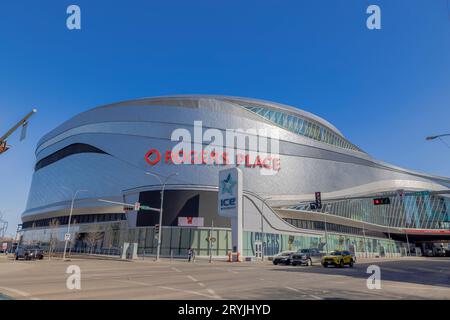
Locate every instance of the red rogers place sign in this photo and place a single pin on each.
(154, 156)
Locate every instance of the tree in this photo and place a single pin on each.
(92, 238)
(53, 226)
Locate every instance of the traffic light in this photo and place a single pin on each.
(156, 228)
(318, 200)
(381, 201)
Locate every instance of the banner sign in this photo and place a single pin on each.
(230, 192)
(190, 221)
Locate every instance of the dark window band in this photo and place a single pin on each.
(65, 152)
(83, 218)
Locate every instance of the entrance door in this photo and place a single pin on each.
(258, 249)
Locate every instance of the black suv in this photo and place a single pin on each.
(306, 257)
(29, 253)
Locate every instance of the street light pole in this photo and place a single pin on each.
(158, 249)
(326, 232)
(439, 136)
(364, 237)
(262, 227)
(74, 195)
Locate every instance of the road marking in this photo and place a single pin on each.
(192, 292)
(315, 297)
(201, 284)
(18, 292)
(211, 291)
(232, 271)
(133, 282)
(192, 278)
(293, 289)
(176, 269)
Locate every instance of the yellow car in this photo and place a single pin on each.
(338, 259)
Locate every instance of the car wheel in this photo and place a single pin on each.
(341, 264)
(275, 263)
(351, 263)
(325, 265)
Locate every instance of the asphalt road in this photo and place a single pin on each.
(404, 278)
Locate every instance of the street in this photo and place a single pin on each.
(403, 278)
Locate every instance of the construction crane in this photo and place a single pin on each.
(22, 123)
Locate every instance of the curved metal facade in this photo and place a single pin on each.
(117, 137)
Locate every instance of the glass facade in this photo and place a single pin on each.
(418, 210)
(303, 127)
(108, 238)
(275, 243)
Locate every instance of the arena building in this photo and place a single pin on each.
(103, 154)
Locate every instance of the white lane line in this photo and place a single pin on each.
(232, 271)
(201, 284)
(192, 278)
(132, 282)
(176, 269)
(211, 291)
(190, 292)
(292, 289)
(18, 292)
(315, 297)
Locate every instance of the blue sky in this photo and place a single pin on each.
(384, 89)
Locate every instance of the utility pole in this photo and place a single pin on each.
(67, 235)
(163, 184)
(365, 241)
(262, 231)
(326, 232)
(210, 241)
(407, 242)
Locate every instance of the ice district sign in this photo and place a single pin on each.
(230, 192)
(230, 203)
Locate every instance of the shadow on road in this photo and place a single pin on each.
(434, 273)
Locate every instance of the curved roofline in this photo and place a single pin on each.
(235, 100)
(238, 101)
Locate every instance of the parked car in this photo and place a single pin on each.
(36, 252)
(338, 259)
(22, 253)
(306, 257)
(29, 253)
(283, 258)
